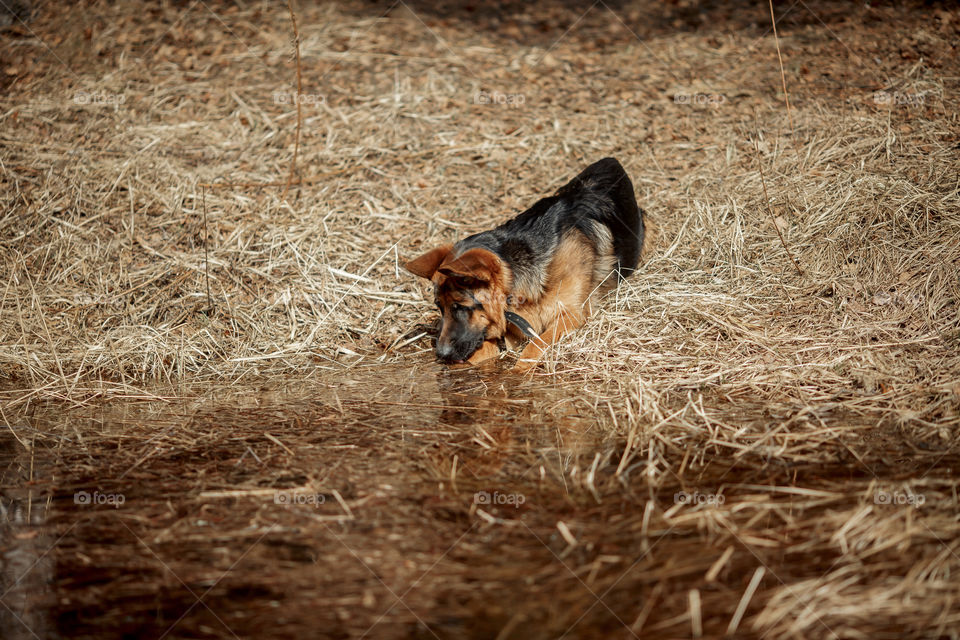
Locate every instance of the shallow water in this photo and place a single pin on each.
(377, 502)
(283, 509)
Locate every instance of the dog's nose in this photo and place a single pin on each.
(444, 351)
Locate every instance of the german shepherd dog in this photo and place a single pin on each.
(533, 277)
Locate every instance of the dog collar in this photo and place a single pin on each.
(522, 324)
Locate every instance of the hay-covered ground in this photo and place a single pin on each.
(791, 341)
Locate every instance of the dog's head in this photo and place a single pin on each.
(470, 291)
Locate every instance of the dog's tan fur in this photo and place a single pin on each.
(563, 304)
(533, 276)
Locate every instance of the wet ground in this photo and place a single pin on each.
(398, 503)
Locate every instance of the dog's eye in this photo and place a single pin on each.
(459, 308)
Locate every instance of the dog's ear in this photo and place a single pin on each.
(477, 263)
(426, 265)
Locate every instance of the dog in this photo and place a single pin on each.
(533, 277)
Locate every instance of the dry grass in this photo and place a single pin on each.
(716, 368)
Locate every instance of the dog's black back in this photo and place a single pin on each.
(602, 193)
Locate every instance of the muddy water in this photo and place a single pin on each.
(404, 503)
(26, 568)
(373, 503)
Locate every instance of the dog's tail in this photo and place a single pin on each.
(606, 178)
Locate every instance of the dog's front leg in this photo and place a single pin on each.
(487, 350)
(565, 322)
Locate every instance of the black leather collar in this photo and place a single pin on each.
(522, 324)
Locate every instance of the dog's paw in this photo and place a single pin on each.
(487, 350)
(525, 364)
(529, 358)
